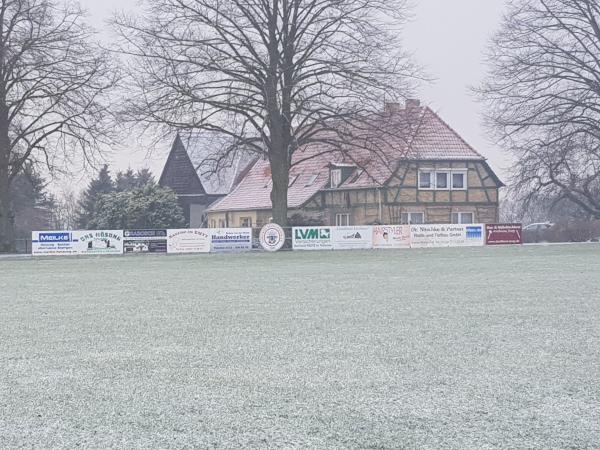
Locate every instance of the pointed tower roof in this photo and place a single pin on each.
(190, 171)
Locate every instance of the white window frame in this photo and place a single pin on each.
(465, 177)
(461, 221)
(448, 177)
(339, 221)
(431, 180)
(248, 225)
(293, 179)
(335, 176)
(409, 217)
(213, 223)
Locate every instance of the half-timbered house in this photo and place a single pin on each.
(432, 177)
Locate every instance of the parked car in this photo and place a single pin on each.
(537, 232)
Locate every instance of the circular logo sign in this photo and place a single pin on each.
(272, 237)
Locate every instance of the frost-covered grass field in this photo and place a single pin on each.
(448, 348)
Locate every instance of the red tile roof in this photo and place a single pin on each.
(430, 139)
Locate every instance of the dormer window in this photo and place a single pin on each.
(339, 173)
(336, 178)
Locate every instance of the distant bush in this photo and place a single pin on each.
(300, 220)
(151, 206)
(568, 231)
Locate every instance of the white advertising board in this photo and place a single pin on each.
(53, 243)
(188, 240)
(231, 239)
(359, 237)
(446, 235)
(99, 242)
(88, 242)
(312, 238)
(391, 236)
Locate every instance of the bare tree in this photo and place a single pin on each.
(266, 76)
(53, 92)
(64, 210)
(543, 94)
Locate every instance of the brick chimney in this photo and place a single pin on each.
(391, 107)
(412, 103)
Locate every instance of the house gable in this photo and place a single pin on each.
(362, 179)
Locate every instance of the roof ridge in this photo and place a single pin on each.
(456, 133)
(236, 187)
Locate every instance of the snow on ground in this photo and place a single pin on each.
(448, 348)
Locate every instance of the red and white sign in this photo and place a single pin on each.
(503, 233)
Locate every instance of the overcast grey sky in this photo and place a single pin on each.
(448, 37)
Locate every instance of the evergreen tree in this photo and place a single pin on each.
(28, 189)
(130, 180)
(150, 206)
(102, 184)
(125, 181)
(144, 177)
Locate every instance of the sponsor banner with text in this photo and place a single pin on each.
(231, 240)
(99, 242)
(79, 242)
(503, 233)
(188, 240)
(391, 236)
(312, 238)
(358, 237)
(53, 243)
(446, 235)
(145, 241)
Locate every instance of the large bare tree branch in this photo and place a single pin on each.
(54, 86)
(271, 75)
(543, 98)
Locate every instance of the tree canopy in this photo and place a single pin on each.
(543, 99)
(146, 207)
(54, 93)
(265, 77)
(130, 200)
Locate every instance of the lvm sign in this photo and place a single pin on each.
(312, 238)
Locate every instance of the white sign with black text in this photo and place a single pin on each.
(346, 238)
(231, 240)
(190, 240)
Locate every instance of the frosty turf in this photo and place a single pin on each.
(448, 348)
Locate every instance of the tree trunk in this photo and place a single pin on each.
(7, 222)
(280, 174)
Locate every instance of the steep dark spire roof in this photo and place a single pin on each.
(191, 170)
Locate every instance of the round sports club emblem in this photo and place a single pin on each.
(272, 237)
